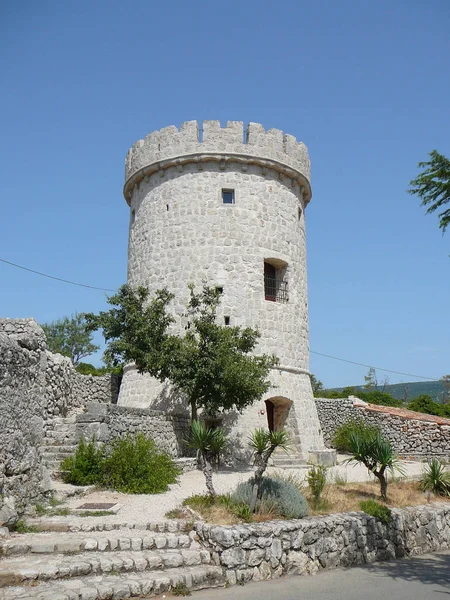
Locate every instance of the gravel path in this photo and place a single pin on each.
(153, 507)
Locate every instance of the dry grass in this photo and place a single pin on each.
(347, 497)
(336, 498)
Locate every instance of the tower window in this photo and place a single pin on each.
(275, 282)
(228, 196)
(226, 320)
(133, 216)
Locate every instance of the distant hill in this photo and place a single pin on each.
(413, 389)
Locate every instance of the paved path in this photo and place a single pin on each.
(425, 577)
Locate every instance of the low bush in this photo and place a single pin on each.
(377, 510)
(426, 404)
(279, 495)
(316, 478)
(132, 465)
(342, 435)
(435, 478)
(85, 467)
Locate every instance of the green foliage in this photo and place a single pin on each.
(70, 337)
(85, 467)
(425, 404)
(134, 465)
(375, 452)
(316, 478)
(341, 436)
(208, 443)
(180, 589)
(435, 478)
(88, 369)
(131, 465)
(377, 397)
(432, 186)
(199, 501)
(284, 495)
(22, 527)
(377, 510)
(212, 364)
(316, 385)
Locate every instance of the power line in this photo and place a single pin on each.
(352, 362)
(92, 287)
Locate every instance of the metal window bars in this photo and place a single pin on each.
(276, 290)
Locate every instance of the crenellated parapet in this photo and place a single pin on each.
(172, 146)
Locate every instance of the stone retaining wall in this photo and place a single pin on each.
(413, 435)
(22, 384)
(107, 422)
(267, 550)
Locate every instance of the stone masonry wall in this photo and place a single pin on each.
(268, 550)
(22, 389)
(107, 422)
(35, 387)
(413, 435)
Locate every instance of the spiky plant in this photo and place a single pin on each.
(264, 443)
(376, 453)
(206, 442)
(435, 478)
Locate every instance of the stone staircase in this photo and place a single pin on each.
(95, 565)
(60, 442)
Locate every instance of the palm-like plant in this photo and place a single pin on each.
(264, 443)
(376, 453)
(435, 478)
(207, 442)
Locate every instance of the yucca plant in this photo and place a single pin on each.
(218, 445)
(264, 443)
(435, 478)
(207, 443)
(376, 453)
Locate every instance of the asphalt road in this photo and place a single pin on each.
(425, 577)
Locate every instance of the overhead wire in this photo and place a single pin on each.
(93, 287)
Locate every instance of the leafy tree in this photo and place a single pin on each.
(211, 364)
(432, 186)
(70, 337)
(375, 452)
(317, 386)
(371, 379)
(264, 443)
(445, 380)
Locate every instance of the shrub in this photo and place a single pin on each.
(426, 404)
(135, 466)
(283, 495)
(317, 478)
(435, 478)
(132, 465)
(377, 510)
(341, 439)
(85, 466)
(377, 397)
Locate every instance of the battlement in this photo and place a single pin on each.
(271, 148)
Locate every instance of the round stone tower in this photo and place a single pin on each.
(227, 207)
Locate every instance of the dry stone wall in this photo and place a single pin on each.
(107, 422)
(268, 550)
(412, 435)
(35, 387)
(22, 389)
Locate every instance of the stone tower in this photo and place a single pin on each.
(226, 207)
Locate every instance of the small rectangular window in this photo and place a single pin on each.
(133, 216)
(228, 196)
(227, 320)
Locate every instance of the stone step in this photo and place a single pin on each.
(99, 587)
(65, 450)
(98, 524)
(112, 541)
(289, 462)
(23, 570)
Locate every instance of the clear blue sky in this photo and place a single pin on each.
(365, 85)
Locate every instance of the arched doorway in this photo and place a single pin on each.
(277, 410)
